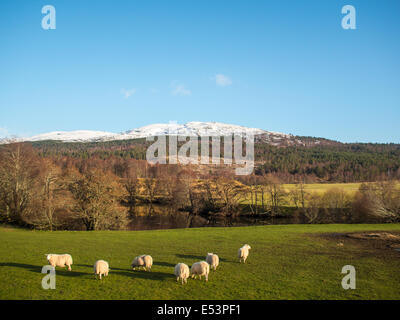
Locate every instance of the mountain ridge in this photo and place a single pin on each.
(194, 128)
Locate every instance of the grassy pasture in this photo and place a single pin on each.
(286, 262)
(311, 188)
(350, 188)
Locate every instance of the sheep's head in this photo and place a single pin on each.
(210, 254)
(48, 256)
(247, 246)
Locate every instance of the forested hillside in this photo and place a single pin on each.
(328, 161)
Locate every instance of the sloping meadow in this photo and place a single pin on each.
(285, 262)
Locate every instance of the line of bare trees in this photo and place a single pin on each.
(55, 193)
(378, 200)
(36, 192)
(44, 193)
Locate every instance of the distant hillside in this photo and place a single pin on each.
(312, 159)
(189, 129)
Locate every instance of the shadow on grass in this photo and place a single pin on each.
(38, 269)
(85, 265)
(151, 275)
(164, 264)
(158, 263)
(111, 268)
(197, 258)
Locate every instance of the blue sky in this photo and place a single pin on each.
(283, 66)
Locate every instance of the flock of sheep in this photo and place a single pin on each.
(181, 271)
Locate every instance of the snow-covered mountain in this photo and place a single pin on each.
(73, 136)
(188, 129)
(192, 129)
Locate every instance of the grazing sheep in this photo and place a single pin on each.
(101, 268)
(148, 262)
(181, 272)
(244, 253)
(59, 260)
(201, 268)
(144, 261)
(137, 262)
(213, 260)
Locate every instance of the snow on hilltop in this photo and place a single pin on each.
(188, 129)
(72, 136)
(191, 129)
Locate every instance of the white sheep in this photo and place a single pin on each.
(213, 260)
(59, 260)
(144, 261)
(101, 268)
(181, 272)
(201, 268)
(244, 253)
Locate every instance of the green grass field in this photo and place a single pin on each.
(286, 262)
(350, 188)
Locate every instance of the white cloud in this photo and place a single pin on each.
(180, 90)
(128, 92)
(222, 80)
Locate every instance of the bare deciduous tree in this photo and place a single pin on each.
(335, 198)
(47, 199)
(276, 196)
(96, 198)
(131, 186)
(312, 209)
(298, 196)
(381, 200)
(230, 193)
(18, 173)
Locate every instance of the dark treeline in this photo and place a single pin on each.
(337, 163)
(334, 162)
